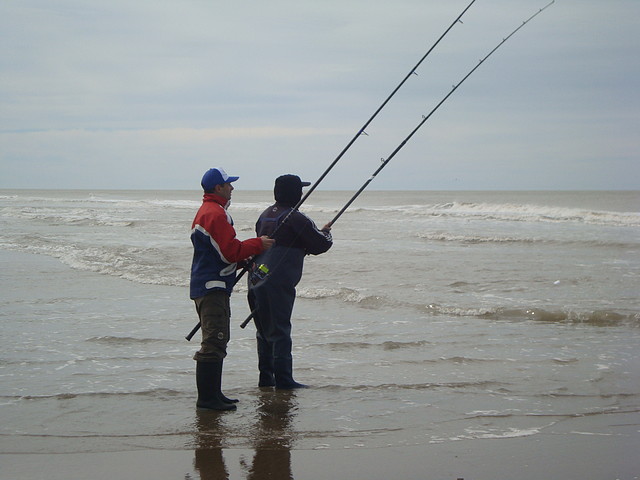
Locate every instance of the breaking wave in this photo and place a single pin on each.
(123, 341)
(503, 212)
(152, 266)
(346, 295)
(156, 392)
(472, 239)
(600, 318)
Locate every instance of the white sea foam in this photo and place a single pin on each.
(439, 236)
(508, 433)
(505, 212)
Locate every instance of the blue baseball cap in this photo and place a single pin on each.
(215, 176)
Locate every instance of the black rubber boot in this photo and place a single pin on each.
(208, 381)
(266, 380)
(222, 396)
(283, 368)
(265, 364)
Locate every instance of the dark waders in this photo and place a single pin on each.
(272, 301)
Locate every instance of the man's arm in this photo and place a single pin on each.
(316, 241)
(232, 249)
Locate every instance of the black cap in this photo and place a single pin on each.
(288, 189)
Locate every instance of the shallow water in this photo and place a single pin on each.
(437, 318)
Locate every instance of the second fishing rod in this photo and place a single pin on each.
(386, 161)
(362, 130)
(359, 133)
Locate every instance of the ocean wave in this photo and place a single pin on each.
(130, 203)
(413, 345)
(532, 213)
(597, 318)
(155, 393)
(480, 384)
(388, 345)
(72, 217)
(120, 341)
(115, 200)
(346, 295)
(137, 356)
(498, 432)
(136, 264)
(500, 211)
(601, 318)
(474, 239)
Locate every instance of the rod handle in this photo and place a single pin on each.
(197, 327)
(193, 332)
(247, 320)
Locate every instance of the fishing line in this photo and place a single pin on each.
(424, 120)
(359, 133)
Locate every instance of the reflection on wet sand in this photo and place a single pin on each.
(272, 439)
(209, 461)
(273, 436)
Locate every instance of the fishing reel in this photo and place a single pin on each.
(259, 274)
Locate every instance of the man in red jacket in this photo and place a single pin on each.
(216, 253)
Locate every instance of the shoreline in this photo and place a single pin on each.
(527, 458)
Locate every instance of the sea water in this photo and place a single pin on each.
(436, 317)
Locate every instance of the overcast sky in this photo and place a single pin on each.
(151, 93)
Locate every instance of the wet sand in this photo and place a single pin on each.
(530, 458)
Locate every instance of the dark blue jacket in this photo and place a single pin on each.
(296, 237)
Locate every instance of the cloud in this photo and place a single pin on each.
(150, 94)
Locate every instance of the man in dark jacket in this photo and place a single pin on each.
(216, 252)
(272, 286)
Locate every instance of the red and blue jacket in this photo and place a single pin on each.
(216, 250)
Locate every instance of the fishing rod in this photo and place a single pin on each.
(359, 133)
(422, 122)
(425, 118)
(375, 114)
